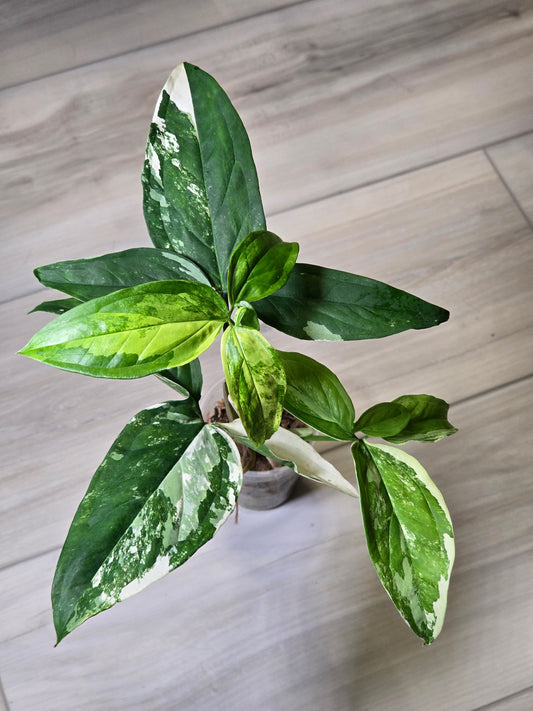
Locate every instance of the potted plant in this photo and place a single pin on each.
(171, 479)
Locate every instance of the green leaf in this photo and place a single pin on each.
(185, 379)
(245, 316)
(409, 534)
(133, 332)
(201, 195)
(427, 419)
(316, 396)
(291, 450)
(382, 420)
(164, 488)
(323, 304)
(259, 266)
(58, 306)
(255, 379)
(91, 278)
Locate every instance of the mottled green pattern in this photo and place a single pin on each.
(90, 278)
(140, 458)
(409, 534)
(259, 266)
(427, 419)
(175, 202)
(383, 420)
(133, 332)
(201, 195)
(323, 304)
(316, 396)
(185, 510)
(255, 379)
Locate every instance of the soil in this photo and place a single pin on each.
(249, 458)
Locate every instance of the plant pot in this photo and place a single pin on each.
(261, 489)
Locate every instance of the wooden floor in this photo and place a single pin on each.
(392, 138)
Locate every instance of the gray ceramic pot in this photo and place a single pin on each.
(261, 490)
(267, 489)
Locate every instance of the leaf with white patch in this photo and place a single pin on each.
(323, 304)
(255, 380)
(291, 450)
(428, 419)
(91, 278)
(409, 534)
(163, 490)
(133, 332)
(201, 194)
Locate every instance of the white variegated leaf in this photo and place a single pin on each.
(409, 534)
(306, 461)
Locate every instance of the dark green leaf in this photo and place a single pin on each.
(185, 379)
(58, 306)
(316, 396)
(427, 419)
(409, 534)
(382, 420)
(328, 305)
(259, 266)
(133, 332)
(255, 379)
(164, 488)
(201, 195)
(90, 278)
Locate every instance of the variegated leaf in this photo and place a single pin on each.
(323, 304)
(409, 534)
(255, 380)
(133, 332)
(201, 195)
(428, 419)
(163, 490)
(91, 278)
(291, 450)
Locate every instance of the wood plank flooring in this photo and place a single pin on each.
(393, 139)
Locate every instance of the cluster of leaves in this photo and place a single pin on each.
(170, 479)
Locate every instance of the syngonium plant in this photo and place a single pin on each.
(170, 479)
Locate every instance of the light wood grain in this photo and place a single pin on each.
(521, 701)
(514, 161)
(450, 233)
(40, 38)
(284, 611)
(332, 100)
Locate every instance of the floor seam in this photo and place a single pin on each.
(3, 696)
(401, 173)
(497, 702)
(508, 188)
